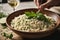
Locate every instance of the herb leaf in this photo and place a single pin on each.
(30, 14)
(3, 19)
(41, 17)
(4, 25)
(38, 16)
(2, 15)
(4, 34)
(8, 36)
(11, 35)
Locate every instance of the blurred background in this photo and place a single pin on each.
(5, 1)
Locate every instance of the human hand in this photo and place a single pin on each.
(47, 4)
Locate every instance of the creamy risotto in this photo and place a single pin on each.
(33, 22)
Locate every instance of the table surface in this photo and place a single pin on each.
(23, 5)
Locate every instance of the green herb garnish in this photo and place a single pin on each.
(2, 15)
(31, 14)
(4, 25)
(38, 16)
(11, 35)
(41, 17)
(8, 36)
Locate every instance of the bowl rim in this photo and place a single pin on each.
(9, 26)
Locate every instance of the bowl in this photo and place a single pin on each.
(32, 34)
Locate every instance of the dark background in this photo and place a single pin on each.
(5, 1)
